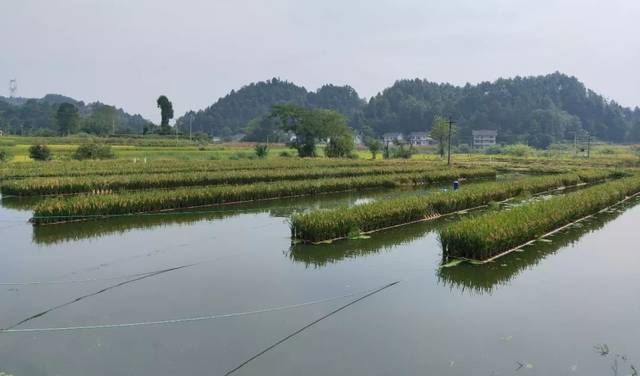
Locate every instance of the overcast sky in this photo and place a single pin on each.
(127, 52)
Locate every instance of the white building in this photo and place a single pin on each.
(391, 137)
(483, 138)
(420, 139)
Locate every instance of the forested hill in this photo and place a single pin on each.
(234, 112)
(537, 110)
(36, 116)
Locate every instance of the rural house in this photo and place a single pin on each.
(391, 137)
(483, 138)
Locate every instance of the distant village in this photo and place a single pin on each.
(481, 138)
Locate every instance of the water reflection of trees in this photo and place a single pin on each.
(484, 279)
(73, 231)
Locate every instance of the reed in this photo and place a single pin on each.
(494, 233)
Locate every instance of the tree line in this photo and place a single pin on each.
(536, 110)
(59, 115)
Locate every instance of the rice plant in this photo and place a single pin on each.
(323, 225)
(494, 233)
(63, 208)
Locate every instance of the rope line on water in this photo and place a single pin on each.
(196, 318)
(308, 326)
(37, 315)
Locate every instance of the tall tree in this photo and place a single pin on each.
(311, 125)
(166, 112)
(440, 132)
(67, 118)
(102, 120)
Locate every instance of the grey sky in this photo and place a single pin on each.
(127, 52)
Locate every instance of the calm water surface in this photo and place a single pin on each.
(537, 312)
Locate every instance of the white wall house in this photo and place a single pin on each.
(391, 137)
(483, 138)
(420, 139)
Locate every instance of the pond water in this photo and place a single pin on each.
(542, 311)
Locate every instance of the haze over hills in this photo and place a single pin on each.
(37, 116)
(536, 110)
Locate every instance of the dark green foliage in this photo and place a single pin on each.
(67, 119)
(538, 110)
(5, 156)
(40, 153)
(26, 116)
(166, 112)
(93, 150)
(311, 125)
(101, 121)
(374, 145)
(341, 145)
(262, 150)
(245, 109)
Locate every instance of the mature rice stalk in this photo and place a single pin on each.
(65, 208)
(494, 233)
(322, 225)
(87, 184)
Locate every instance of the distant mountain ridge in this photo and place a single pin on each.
(537, 110)
(37, 115)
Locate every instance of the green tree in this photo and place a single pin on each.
(93, 150)
(40, 153)
(102, 120)
(166, 113)
(67, 118)
(340, 145)
(262, 150)
(311, 125)
(440, 132)
(374, 145)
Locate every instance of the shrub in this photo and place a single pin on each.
(374, 147)
(93, 151)
(40, 153)
(5, 156)
(285, 154)
(262, 150)
(401, 152)
(339, 147)
(493, 150)
(518, 150)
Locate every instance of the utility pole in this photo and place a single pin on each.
(588, 145)
(190, 123)
(575, 144)
(451, 123)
